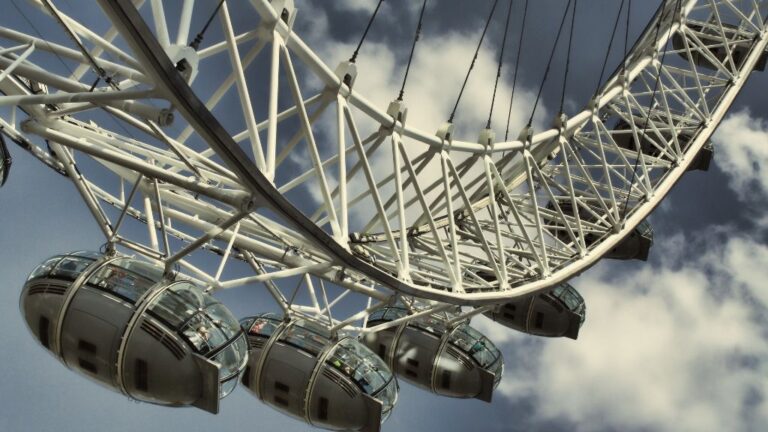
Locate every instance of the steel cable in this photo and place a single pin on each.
(549, 63)
(517, 66)
(650, 107)
(413, 49)
(568, 56)
(195, 44)
(610, 46)
(472, 64)
(501, 59)
(365, 33)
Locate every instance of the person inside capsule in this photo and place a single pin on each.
(558, 312)
(455, 361)
(118, 321)
(300, 368)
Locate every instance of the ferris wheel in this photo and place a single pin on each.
(197, 149)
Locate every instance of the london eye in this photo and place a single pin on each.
(217, 150)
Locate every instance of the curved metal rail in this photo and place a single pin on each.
(454, 221)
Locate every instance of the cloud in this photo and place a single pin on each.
(742, 152)
(677, 346)
(367, 6)
(439, 67)
(745, 260)
(386, 13)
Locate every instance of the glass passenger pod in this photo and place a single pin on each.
(636, 245)
(455, 362)
(5, 161)
(120, 324)
(557, 313)
(300, 369)
(717, 56)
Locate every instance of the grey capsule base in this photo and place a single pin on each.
(111, 339)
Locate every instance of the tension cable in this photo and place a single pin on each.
(413, 48)
(501, 59)
(549, 63)
(650, 106)
(517, 66)
(365, 33)
(610, 46)
(568, 56)
(195, 44)
(472, 64)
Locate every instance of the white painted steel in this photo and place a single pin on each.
(402, 214)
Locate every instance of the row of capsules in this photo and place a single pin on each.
(121, 322)
(124, 323)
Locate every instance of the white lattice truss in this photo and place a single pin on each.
(403, 214)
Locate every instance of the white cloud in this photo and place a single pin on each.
(358, 5)
(438, 70)
(675, 346)
(742, 152)
(680, 345)
(439, 66)
(669, 347)
(746, 261)
(366, 8)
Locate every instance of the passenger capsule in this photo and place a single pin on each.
(455, 362)
(559, 312)
(711, 36)
(118, 322)
(5, 161)
(636, 245)
(651, 141)
(299, 368)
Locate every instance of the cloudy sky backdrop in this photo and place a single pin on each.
(677, 343)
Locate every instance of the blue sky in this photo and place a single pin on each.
(677, 343)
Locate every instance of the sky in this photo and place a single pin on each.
(676, 343)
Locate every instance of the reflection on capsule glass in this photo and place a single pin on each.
(450, 361)
(300, 369)
(117, 321)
